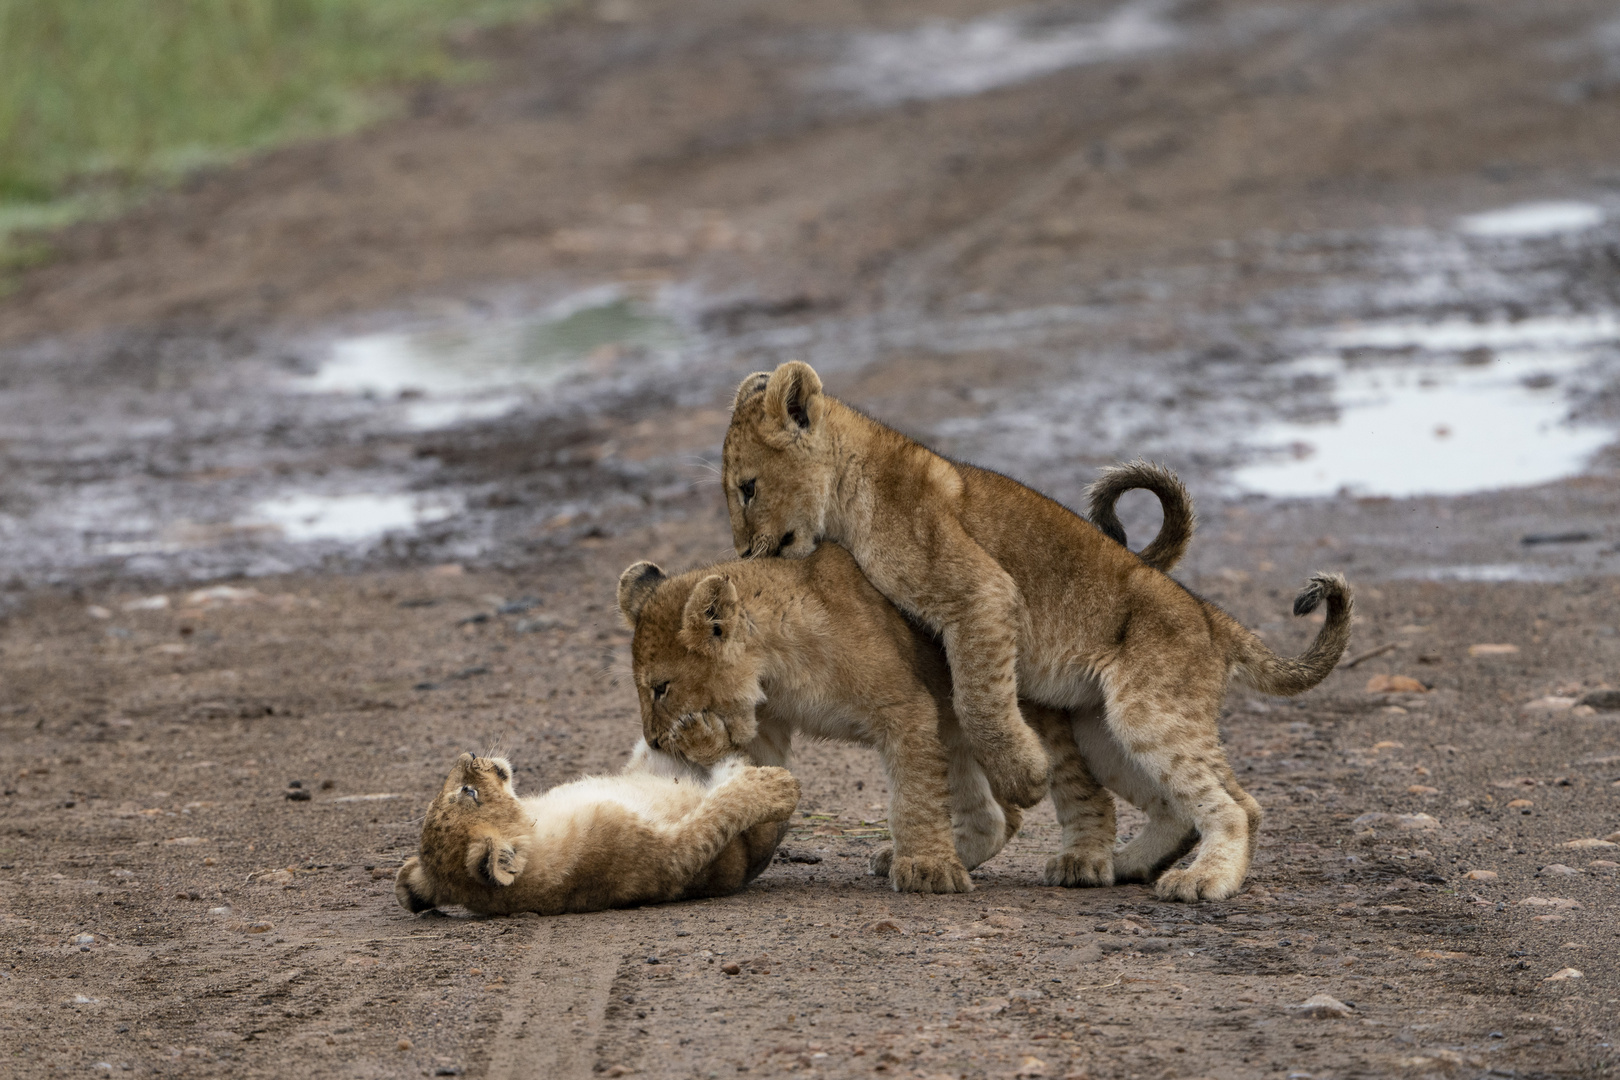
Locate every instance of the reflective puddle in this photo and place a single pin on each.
(1532, 219)
(946, 59)
(1460, 407)
(303, 517)
(478, 369)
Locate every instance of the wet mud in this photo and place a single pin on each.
(322, 470)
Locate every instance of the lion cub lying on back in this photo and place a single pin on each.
(658, 831)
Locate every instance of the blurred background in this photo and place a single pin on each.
(345, 283)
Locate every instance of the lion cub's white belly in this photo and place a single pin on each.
(655, 788)
(656, 799)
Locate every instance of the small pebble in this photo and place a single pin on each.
(1558, 870)
(1395, 684)
(1322, 1007)
(403, 1044)
(1492, 650)
(1481, 875)
(731, 968)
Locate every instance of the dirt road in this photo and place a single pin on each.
(1112, 230)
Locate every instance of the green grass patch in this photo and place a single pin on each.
(116, 95)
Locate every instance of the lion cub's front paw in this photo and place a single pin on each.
(930, 874)
(496, 861)
(699, 737)
(777, 790)
(1072, 870)
(1021, 775)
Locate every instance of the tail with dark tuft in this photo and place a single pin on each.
(1269, 673)
(1179, 520)
(1311, 596)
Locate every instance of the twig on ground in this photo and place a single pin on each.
(1369, 654)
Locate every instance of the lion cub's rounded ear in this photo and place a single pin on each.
(793, 395)
(636, 586)
(749, 388)
(712, 613)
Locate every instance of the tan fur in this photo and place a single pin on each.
(712, 712)
(1029, 599)
(746, 654)
(659, 831)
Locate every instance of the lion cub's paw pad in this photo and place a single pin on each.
(929, 875)
(1079, 871)
(1192, 884)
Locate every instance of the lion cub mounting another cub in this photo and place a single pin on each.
(1030, 600)
(743, 655)
(660, 830)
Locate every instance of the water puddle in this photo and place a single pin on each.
(1487, 572)
(957, 59)
(477, 369)
(1533, 219)
(1463, 407)
(303, 517)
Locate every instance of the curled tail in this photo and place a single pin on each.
(1179, 520)
(1269, 673)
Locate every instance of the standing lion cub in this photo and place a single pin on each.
(744, 655)
(1030, 600)
(660, 830)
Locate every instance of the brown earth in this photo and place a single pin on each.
(166, 910)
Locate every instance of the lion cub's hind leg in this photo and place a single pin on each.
(413, 888)
(1169, 833)
(742, 798)
(1170, 763)
(1085, 809)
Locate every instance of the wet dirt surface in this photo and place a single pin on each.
(427, 390)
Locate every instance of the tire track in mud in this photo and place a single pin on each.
(550, 1027)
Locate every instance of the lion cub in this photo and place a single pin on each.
(834, 659)
(658, 831)
(1031, 601)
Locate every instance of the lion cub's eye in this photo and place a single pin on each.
(470, 791)
(659, 690)
(746, 490)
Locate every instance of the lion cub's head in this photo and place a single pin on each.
(697, 682)
(475, 838)
(778, 465)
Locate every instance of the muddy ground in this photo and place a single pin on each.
(166, 909)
